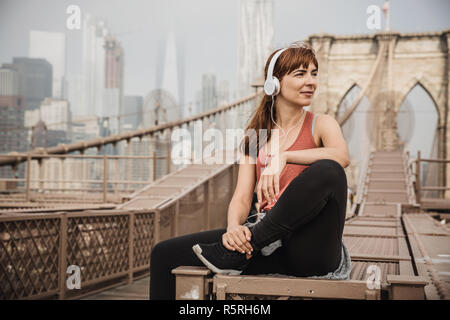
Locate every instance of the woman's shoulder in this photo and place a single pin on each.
(317, 120)
(323, 122)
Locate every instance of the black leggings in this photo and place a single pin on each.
(313, 205)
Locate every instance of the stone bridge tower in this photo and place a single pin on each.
(405, 60)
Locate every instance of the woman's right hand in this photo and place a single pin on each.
(238, 238)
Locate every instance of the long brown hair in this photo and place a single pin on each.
(298, 54)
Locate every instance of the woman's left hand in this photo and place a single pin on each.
(269, 182)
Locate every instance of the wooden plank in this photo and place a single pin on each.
(406, 267)
(138, 290)
(294, 287)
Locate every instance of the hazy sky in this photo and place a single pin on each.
(207, 30)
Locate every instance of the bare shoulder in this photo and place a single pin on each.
(329, 131)
(325, 122)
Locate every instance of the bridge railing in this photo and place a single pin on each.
(107, 167)
(39, 253)
(232, 115)
(46, 171)
(419, 189)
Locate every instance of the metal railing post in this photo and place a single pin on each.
(156, 227)
(131, 247)
(116, 175)
(168, 158)
(418, 176)
(62, 255)
(177, 219)
(28, 177)
(41, 174)
(105, 171)
(154, 165)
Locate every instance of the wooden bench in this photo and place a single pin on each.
(199, 283)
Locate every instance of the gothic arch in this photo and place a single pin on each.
(424, 84)
(350, 84)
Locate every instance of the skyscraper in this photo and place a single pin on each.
(12, 135)
(51, 46)
(35, 80)
(161, 105)
(170, 72)
(209, 92)
(113, 90)
(93, 65)
(255, 41)
(56, 114)
(131, 117)
(223, 93)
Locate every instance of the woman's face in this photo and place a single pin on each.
(298, 87)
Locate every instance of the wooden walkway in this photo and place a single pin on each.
(138, 290)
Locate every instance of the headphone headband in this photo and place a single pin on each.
(272, 63)
(272, 84)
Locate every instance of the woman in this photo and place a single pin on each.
(301, 189)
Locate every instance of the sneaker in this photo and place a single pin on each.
(257, 217)
(219, 259)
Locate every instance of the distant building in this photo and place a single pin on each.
(93, 65)
(39, 137)
(198, 102)
(51, 46)
(131, 117)
(255, 43)
(12, 133)
(9, 80)
(85, 128)
(56, 114)
(35, 80)
(55, 137)
(162, 105)
(170, 80)
(223, 92)
(113, 90)
(209, 92)
(32, 117)
(12, 105)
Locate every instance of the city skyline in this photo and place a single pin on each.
(172, 71)
(201, 34)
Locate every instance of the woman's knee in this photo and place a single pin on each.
(330, 169)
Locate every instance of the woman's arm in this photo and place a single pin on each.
(243, 194)
(238, 236)
(335, 147)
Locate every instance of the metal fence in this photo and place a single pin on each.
(428, 191)
(110, 247)
(36, 250)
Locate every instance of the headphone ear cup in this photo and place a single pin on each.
(276, 84)
(272, 87)
(269, 87)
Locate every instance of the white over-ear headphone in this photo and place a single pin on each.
(272, 84)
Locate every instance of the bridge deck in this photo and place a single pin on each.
(138, 290)
(410, 248)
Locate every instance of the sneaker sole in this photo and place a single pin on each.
(213, 268)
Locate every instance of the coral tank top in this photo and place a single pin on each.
(304, 140)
